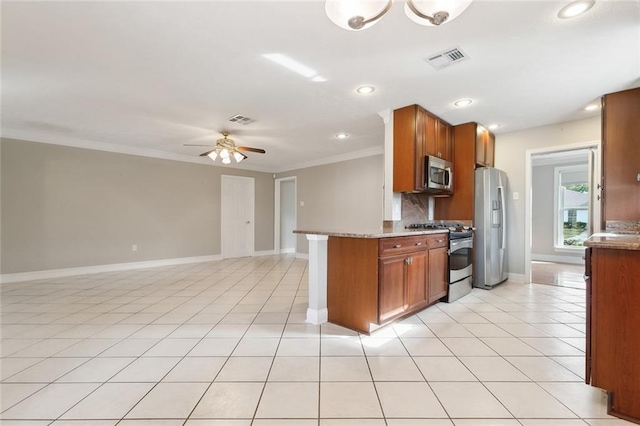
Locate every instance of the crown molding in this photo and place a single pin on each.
(353, 155)
(30, 136)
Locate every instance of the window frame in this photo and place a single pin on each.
(558, 216)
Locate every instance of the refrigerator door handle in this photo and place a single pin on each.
(503, 218)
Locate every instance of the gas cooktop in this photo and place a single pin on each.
(456, 230)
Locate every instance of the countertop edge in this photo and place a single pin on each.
(614, 241)
(374, 234)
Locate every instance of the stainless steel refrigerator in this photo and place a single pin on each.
(490, 260)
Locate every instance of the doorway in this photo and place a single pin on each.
(237, 216)
(562, 210)
(285, 215)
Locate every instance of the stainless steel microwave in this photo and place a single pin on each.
(438, 175)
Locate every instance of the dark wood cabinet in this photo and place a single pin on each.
(485, 147)
(613, 335)
(473, 144)
(416, 133)
(621, 155)
(438, 258)
(374, 281)
(393, 270)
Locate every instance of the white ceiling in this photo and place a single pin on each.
(149, 76)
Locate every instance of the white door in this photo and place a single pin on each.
(285, 217)
(237, 216)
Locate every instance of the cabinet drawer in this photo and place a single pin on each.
(399, 245)
(438, 240)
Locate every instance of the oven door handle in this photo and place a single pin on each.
(461, 244)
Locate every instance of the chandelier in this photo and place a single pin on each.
(355, 15)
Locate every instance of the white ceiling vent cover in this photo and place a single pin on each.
(241, 119)
(447, 57)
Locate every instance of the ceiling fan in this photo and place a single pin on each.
(226, 148)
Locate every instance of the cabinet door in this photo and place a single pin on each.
(490, 149)
(480, 146)
(431, 135)
(392, 288)
(621, 155)
(437, 273)
(421, 136)
(444, 141)
(417, 290)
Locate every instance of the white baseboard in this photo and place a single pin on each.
(304, 256)
(264, 253)
(577, 259)
(518, 278)
(287, 250)
(114, 267)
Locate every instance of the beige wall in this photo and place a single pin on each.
(68, 207)
(510, 156)
(345, 195)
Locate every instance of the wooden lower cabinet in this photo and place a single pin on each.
(613, 331)
(374, 281)
(438, 267)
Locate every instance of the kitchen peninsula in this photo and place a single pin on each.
(367, 278)
(613, 336)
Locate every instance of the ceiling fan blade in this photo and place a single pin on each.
(249, 149)
(195, 144)
(204, 154)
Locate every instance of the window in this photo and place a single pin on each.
(572, 195)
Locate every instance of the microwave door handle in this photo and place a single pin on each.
(448, 183)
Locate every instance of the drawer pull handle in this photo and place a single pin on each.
(439, 241)
(418, 244)
(397, 246)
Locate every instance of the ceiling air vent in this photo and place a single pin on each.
(446, 58)
(241, 119)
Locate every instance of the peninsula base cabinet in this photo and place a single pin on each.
(613, 328)
(373, 281)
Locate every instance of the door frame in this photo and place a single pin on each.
(528, 213)
(276, 227)
(252, 206)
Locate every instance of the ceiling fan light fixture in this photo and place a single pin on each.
(224, 153)
(434, 12)
(226, 160)
(354, 15)
(238, 156)
(213, 155)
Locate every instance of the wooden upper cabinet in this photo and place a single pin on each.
(621, 155)
(409, 132)
(416, 133)
(438, 142)
(485, 147)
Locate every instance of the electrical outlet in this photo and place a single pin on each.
(516, 195)
(134, 247)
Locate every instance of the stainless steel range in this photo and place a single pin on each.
(460, 256)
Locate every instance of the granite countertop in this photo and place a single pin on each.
(614, 241)
(373, 233)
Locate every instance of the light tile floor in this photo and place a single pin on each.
(225, 343)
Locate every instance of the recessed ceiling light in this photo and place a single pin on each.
(591, 107)
(493, 126)
(365, 90)
(463, 102)
(575, 8)
(342, 135)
